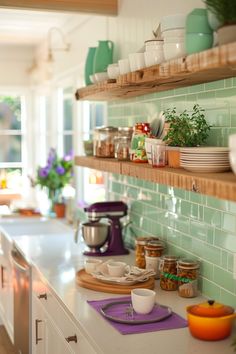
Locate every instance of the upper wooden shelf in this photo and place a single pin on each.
(219, 185)
(210, 65)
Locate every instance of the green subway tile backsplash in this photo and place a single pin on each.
(193, 225)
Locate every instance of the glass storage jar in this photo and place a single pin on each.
(104, 145)
(123, 132)
(140, 243)
(153, 252)
(188, 273)
(123, 147)
(168, 273)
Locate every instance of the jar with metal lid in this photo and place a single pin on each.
(188, 273)
(123, 147)
(140, 243)
(137, 150)
(168, 273)
(153, 252)
(104, 145)
(123, 132)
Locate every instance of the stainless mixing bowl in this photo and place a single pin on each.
(95, 234)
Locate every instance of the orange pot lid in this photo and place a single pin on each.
(210, 309)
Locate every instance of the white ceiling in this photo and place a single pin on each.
(23, 27)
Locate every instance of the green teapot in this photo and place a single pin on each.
(89, 65)
(103, 56)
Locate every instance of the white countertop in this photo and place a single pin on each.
(58, 259)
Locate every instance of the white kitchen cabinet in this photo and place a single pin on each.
(53, 330)
(6, 286)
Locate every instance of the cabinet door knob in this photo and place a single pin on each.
(43, 296)
(72, 339)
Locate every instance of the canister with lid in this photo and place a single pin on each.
(187, 272)
(104, 145)
(140, 243)
(153, 251)
(122, 150)
(168, 273)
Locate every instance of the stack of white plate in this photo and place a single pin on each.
(205, 159)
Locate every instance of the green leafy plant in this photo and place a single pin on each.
(225, 10)
(186, 129)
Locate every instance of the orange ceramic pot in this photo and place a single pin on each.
(60, 210)
(210, 320)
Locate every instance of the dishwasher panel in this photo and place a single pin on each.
(21, 284)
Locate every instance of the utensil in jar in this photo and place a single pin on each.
(210, 320)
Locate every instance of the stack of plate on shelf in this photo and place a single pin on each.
(205, 159)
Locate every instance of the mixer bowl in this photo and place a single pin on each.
(95, 234)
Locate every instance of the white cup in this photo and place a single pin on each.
(113, 71)
(91, 265)
(116, 269)
(124, 66)
(153, 57)
(143, 300)
(136, 61)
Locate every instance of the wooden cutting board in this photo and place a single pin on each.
(88, 281)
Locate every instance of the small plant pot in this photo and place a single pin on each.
(173, 154)
(60, 210)
(227, 34)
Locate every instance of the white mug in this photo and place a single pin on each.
(143, 300)
(124, 66)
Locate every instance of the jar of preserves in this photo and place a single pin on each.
(140, 243)
(137, 150)
(168, 273)
(187, 272)
(104, 145)
(153, 252)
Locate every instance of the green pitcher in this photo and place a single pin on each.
(103, 56)
(89, 65)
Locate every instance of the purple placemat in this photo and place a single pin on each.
(172, 322)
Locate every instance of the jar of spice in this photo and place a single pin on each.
(140, 243)
(168, 273)
(123, 132)
(104, 145)
(187, 272)
(153, 252)
(123, 147)
(137, 150)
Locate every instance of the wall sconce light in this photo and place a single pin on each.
(64, 46)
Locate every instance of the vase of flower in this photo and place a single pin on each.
(54, 177)
(60, 209)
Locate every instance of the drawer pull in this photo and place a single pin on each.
(72, 339)
(37, 339)
(43, 296)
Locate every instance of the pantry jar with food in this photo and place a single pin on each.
(187, 272)
(153, 252)
(140, 244)
(122, 150)
(104, 145)
(168, 273)
(137, 150)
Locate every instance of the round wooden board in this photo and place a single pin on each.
(86, 280)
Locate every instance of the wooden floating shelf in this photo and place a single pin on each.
(219, 185)
(210, 65)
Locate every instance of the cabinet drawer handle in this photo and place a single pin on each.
(37, 339)
(2, 276)
(43, 296)
(72, 339)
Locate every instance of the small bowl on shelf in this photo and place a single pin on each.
(101, 76)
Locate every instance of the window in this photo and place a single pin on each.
(12, 137)
(65, 133)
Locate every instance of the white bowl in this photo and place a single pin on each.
(173, 22)
(174, 50)
(232, 159)
(232, 142)
(90, 265)
(153, 57)
(179, 33)
(92, 79)
(153, 44)
(116, 269)
(143, 300)
(124, 66)
(101, 76)
(113, 71)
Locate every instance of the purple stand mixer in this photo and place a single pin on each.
(112, 211)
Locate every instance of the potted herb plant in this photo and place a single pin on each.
(55, 176)
(185, 130)
(225, 13)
